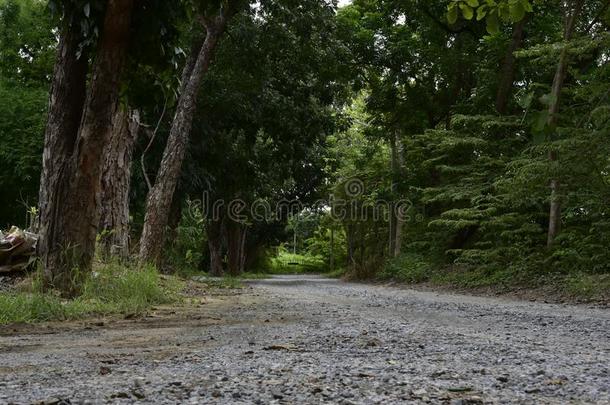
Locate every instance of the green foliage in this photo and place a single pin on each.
(492, 11)
(289, 263)
(409, 268)
(22, 115)
(27, 49)
(186, 249)
(481, 179)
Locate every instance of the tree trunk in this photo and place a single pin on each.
(396, 223)
(116, 182)
(558, 81)
(332, 249)
(234, 244)
(175, 216)
(214, 234)
(160, 197)
(68, 92)
(242, 250)
(509, 68)
(78, 191)
(351, 261)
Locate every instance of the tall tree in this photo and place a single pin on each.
(68, 245)
(572, 10)
(509, 68)
(160, 197)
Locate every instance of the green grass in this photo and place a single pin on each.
(590, 286)
(111, 289)
(289, 263)
(337, 273)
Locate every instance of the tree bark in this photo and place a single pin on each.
(116, 182)
(215, 246)
(242, 250)
(509, 68)
(68, 92)
(351, 261)
(332, 249)
(75, 226)
(396, 223)
(234, 245)
(160, 197)
(558, 81)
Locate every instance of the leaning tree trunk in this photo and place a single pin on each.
(75, 225)
(558, 80)
(509, 68)
(116, 181)
(160, 197)
(68, 92)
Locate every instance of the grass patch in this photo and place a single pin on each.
(289, 263)
(110, 289)
(590, 286)
(337, 273)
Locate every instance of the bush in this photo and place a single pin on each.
(408, 267)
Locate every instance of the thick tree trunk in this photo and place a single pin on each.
(160, 197)
(116, 181)
(66, 102)
(214, 233)
(509, 68)
(558, 81)
(75, 226)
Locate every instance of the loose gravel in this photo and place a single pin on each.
(304, 339)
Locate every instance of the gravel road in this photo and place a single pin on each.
(304, 339)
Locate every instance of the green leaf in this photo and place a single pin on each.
(504, 11)
(473, 3)
(467, 11)
(452, 14)
(526, 100)
(517, 11)
(493, 24)
(481, 12)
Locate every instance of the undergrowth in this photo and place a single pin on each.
(110, 289)
(413, 268)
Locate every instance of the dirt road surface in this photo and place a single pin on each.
(307, 339)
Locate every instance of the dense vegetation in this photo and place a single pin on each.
(452, 141)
